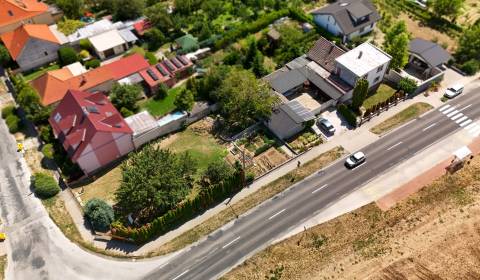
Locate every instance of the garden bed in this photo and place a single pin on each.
(305, 141)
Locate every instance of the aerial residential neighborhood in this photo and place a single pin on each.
(238, 139)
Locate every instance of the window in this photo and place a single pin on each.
(376, 80)
(10, 13)
(379, 68)
(57, 117)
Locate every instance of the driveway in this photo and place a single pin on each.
(340, 124)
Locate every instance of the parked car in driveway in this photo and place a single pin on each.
(355, 160)
(453, 91)
(326, 125)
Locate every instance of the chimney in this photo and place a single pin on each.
(331, 48)
(83, 80)
(360, 54)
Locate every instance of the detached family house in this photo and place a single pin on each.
(91, 130)
(31, 45)
(14, 13)
(347, 18)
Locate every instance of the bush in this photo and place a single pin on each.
(151, 58)
(67, 55)
(85, 44)
(84, 54)
(125, 112)
(407, 85)
(13, 123)
(349, 116)
(46, 134)
(470, 67)
(7, 111)
(48, 151)
(45, 185)
(94, 63)
(262, 148)
(99, 213)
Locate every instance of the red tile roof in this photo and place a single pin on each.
(51, 89)
(18, 10)
(16, 40)
(142, 26)
(80, 116)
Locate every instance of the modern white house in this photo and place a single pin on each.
(347, 18)
(109, 44)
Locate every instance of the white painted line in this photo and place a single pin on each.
(180, 275)
(456, 116)
(448, 110)
(444, 107)
(278, 213)
(394, 146)
(465, 107)
(465, 123)
(430, 126)
(230, 243)
(320, 188)
(461, 119)
(452, 113)
(471, 126)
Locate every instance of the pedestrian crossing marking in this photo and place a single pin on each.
(444, 107)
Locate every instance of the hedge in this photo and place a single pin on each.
(13, 123)
(184, 212)
(349, 116)
(48, 151)
(94, 63)
(470, 67)
(7, 111)
(45, 185)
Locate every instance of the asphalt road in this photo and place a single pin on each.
(38, 250)
(229, 247)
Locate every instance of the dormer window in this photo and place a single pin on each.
(57, 118)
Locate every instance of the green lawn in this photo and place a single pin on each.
(162, 106)
(404, 116)
(40, 72)
(383, 93)
(203, 148)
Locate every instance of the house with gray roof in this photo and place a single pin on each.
(347, 18)
(289, 119)
(427, 55)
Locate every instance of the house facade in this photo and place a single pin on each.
(347, 18)
(31, 45)
(15, 13)
(91, 130)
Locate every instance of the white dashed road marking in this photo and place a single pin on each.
(278, 213)
(430, 126)
(320, 188)
(465, 107)
(394, 146)
(230, 243)
(180, 275)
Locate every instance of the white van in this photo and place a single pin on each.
(454, 90)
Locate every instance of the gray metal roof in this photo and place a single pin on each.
(282, 82)
(344, 10)
(127, 35)
(298, 62)
(297, 112)
(430, 52)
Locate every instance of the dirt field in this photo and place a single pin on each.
(435, 234)
(420, 31)
(268, 160)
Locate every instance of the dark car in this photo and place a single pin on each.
(326, 125)
(355, 160)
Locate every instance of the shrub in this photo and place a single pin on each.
(99, 213)
(262, 149)
(69, 26)
(94, 63)
(125, 112)
(13, 123)
(45, 185)
(84, 54)
(249, 177)
(85, 44)
(7, 111)
(67, 55)
(407, 85)
(48, 151)
(349, 116)
(46, 133)
(470, 67)
(151, 58)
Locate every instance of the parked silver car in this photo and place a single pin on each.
(355, 160)
(326, 125)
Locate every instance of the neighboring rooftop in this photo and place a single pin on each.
(430, 52)
(345, 11)
(273, 34)
(363, 59)
(18, 10)
(107, 40)
(283, 81)
(297, 112)
(187, 42)
(141, 122)
(16, 40)
(324, 53)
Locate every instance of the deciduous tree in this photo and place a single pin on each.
(448, 8)
(128, 9)
(398, 49)
(185, 100)
(125, 96)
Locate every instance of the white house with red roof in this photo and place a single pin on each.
(91, 130)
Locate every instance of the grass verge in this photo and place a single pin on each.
(249, 202)
(3, 265)
(404, 116)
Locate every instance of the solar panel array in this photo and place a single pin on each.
(152, 74)
(169, 65)
(161, 70)
(183, 60)
(176, 62)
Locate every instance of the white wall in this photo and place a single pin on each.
(282, 125)
(367, 29)
(328, 23)
(351, 78)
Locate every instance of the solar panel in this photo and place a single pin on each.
(153, 75)
(161, 70)
(177, 63)
(183, 60)
(92, 109)
(169, 65)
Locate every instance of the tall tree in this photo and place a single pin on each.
(184, 100)
(448, 8)
(71, 8)
(398, 49)
(29, 100)
(125, 96)
(154, 181)
(244, 99)
(128, 9)
(468, 45)
(359, 93)
(155, 39)
(251, 53)
(213, 8)
(257, 66)
(395, 30)
(159, 17)
(4, 55)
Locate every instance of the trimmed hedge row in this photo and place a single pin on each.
(349, 116)
(184, 212)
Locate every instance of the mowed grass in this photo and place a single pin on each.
(103, 188)
(162, 106)
(404, 116)
(383, 93)
(40, 72)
